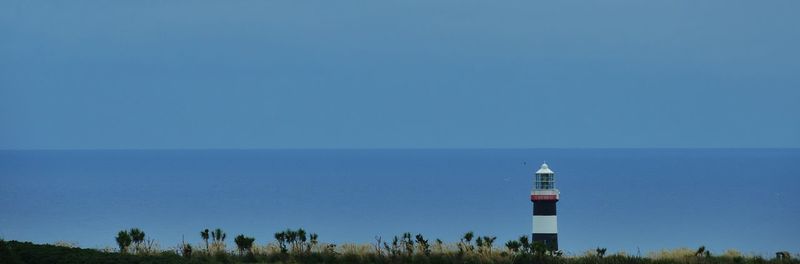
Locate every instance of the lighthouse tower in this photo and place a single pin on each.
(544, 197)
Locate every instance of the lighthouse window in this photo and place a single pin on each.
(544, 181)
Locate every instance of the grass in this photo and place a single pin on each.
(12, 252)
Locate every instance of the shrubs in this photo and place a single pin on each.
(205, 235)
(296, 246)
(136, 237)
(671, 254)
(123, 241)
(244, 243)
(218, 243)
(601, 252)
(26, 252)
(731, 253)
(783, 255)
(513, 246)
(296, 241)
(186, 250)
(7, 255)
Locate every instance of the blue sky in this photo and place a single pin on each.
(401, 74)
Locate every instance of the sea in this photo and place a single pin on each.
(634, 201)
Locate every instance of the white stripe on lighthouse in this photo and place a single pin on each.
(545, 224)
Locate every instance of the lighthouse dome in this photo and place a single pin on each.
(544, 169)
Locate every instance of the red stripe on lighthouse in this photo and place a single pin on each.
(544, 197)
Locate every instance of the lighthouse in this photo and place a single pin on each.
(544, 197)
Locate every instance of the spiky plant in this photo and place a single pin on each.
(468, 236)
(601, 252)
(301, 235)
(488, 241)
(408, 244)
(314, 240)
(700, 251)
(539, 249)
(439, 246)
(394, 250)
(123, 241)
(239, 240)
(525, 243)
(248, 244)
(219, 240)
(301, 240)
(281, 238)
(423, 245)
(291, 238)
(466, 242)
(244, 243)
(205, 235)
(218, 235)
(186, 249)
(513, 246)
(137, 237)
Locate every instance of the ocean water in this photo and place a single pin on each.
(633, 200)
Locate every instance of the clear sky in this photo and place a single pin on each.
(407, 74)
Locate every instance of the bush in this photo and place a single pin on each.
(7, 255)
(45, 254)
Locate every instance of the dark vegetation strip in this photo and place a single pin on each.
(295, 246)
